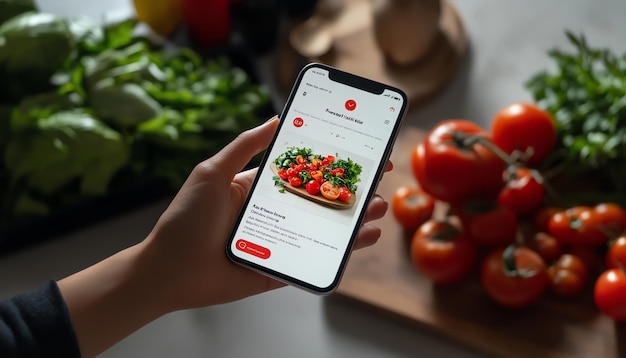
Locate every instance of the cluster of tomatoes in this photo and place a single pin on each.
(317, 176)
(497, 219)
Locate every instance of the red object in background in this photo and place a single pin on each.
(208, 21)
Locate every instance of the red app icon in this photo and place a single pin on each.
(350, 105)
(298, 122)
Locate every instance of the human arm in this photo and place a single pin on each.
(182, 263)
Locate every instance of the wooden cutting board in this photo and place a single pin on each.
(383, 278)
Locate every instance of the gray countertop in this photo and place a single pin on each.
(509, 40)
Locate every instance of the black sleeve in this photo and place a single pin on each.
(37, 324)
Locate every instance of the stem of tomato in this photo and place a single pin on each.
(510, 266)
(510, 161)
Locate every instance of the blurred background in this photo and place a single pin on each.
(106, 106)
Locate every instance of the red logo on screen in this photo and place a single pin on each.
(298, 122)
(350, 105)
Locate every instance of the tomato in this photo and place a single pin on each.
(339, 172)
(607, 221)
(488, 224)
(546, 246)
(450, 166)
(295, 181)
(564, 225)
(208, 22)
(522, 193)
(300, 159)
(610, 294)
(589, 226)
(616, 256)
(411, 207)
(568, 276)
(514, 277)
(282, 173)
(524, 127)
(313, 187)
(442, 253)
(316, 162)
(316, 174)
(329, 191)
(327, 160)
(292, 172)
(345, 194)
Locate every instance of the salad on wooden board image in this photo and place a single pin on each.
(325, 179)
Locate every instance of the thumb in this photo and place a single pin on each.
(232, 158)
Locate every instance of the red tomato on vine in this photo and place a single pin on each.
(522, 192)
(442, 253)
(526, 128)
(514, 277)
(411, 207)
(610, 294)
(453, 166)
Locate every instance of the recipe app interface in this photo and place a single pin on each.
(303, 212)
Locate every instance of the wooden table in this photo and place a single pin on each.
(383, 278)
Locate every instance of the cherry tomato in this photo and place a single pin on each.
(345, 194)
(327, 160)
(616, 256)
(442, 253)
(291, 172)
(282, 173)
(564, 225)
(329, 191)
(568, 276)
(315, 174)
(316, 162)
(606, 222)
(411, 207)
(526, 128)
(450, 166)
(300, 159)
(522, 193)
(488, 224)
(339, 172)
(610, 294)
(313, 187)
(582, 225)
(295, 181)
(546, 246)
(514, 277)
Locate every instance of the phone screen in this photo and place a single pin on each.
(335, 135)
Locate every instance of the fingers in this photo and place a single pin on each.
(376, 208)
(246, 178)
(232, 158)
(389, 166)
(368, 236)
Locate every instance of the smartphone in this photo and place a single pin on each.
(308, 200)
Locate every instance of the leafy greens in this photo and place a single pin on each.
(83, 105)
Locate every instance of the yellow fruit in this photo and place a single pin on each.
(163, 16)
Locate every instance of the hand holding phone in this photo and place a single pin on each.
(308, 200)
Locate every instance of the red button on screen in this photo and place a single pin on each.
(253, 249)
